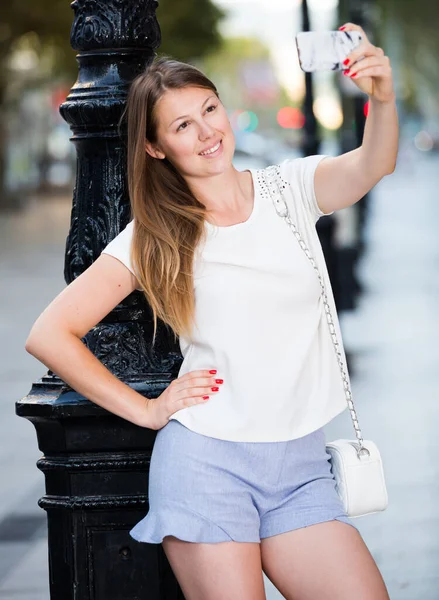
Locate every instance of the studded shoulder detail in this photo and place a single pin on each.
(272, 185)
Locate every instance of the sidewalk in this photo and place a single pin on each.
(31, 272)
(392, 338)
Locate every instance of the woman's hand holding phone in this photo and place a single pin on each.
(369, 68)
(350, 51)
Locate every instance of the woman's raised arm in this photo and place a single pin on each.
(341, 181)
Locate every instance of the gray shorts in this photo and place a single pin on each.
(203, 489)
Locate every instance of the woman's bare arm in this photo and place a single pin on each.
(343, 180)
(55, 338)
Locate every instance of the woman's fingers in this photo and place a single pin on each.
(194, 374)
(366, 63)
(363, 50)
(366, 48)
(194, 378)
(188, 398)
(193, 395)
(371, 72)
(195, 384)
(353, 27)
(194, 381)
(200, 388)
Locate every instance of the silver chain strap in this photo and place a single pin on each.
(272, 174)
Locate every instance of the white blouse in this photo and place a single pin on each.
(260, 321)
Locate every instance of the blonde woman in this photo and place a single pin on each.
(240, 481)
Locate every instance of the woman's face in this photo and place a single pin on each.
(190, 121)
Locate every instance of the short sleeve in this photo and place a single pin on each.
(299, 172)
(120, 247)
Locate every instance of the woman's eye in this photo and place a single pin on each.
(186, 122)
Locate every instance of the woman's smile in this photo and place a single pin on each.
(213, 151)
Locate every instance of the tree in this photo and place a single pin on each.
(189, 28)
(412, 28)
(189, 31)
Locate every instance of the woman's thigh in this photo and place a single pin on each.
(220, 571)
(325, 561)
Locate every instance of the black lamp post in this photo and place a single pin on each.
(351, 136)
(310, 146)
(95, 463)
(310, 140)
(360, 13)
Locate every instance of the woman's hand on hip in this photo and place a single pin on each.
(194, 387)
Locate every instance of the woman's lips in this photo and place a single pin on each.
(214, 154)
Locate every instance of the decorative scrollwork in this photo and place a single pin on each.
(104, 24)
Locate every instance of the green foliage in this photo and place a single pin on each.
(407, 31)
(232, 51)
(44, 25)
(413, 25)
(189, 31)
(40, 31)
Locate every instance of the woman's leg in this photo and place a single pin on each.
(220, 571)
(328, 561)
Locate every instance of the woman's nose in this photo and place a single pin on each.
(206, 131)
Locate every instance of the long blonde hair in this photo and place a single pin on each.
(168, 218)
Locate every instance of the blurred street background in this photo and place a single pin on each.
(383, 253)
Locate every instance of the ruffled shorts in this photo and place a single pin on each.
(204, 489)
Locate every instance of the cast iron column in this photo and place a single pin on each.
(310, 146)
(351, 136)
(95, 463)
(360, 13)
(310, 140)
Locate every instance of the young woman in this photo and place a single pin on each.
(240, 480)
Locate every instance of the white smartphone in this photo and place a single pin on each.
(325, 50)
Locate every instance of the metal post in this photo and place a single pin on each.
(95, 463)
(359, 13)
(355, 11)
(310, 146)
(310, 140)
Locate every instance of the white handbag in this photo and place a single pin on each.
(356, 464)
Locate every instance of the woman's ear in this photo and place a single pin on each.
(152, 151)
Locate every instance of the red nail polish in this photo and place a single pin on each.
(205, 397)
(341, 28)
(346, 62)
(214, 389)
(219, 380)
(353, 74)
(213, 371)
(346, 72)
